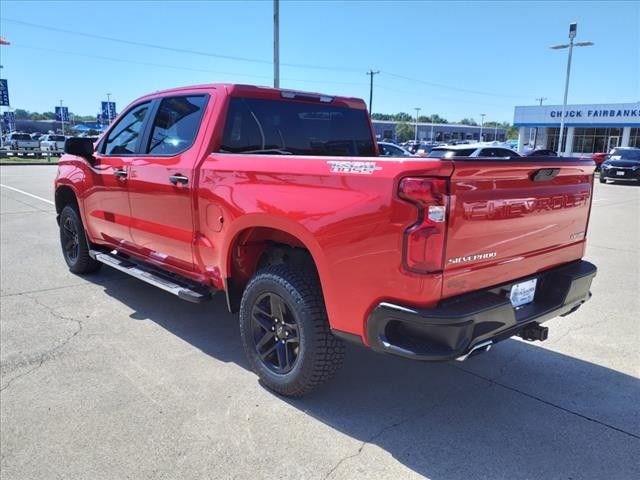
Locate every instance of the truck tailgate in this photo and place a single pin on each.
(510, 219)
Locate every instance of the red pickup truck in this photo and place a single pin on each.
(279, 199)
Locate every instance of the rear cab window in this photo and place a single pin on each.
(296, 128)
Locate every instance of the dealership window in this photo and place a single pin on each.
(552, 139)
(591, 140)
(634, 138)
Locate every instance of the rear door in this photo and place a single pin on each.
(509, 219)
(107, 203)
(161, 182)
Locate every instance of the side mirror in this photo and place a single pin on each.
(81, 147)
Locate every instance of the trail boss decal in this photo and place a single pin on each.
(367, 168)
(472, 258)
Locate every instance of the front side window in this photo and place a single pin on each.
(292, 127)
(176, 124)
(123, 139)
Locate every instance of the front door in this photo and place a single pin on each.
(613, 143)
(106, 204)
(161, 183)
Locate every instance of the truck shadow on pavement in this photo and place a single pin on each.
(520, 411)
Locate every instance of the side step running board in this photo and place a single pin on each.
(184, 290)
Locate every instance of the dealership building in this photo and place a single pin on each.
(440, 132)
(588, 128)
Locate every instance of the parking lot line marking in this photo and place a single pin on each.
(27, 194)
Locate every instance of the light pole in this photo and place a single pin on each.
(417, 109)
(431, 128)
(61, 117)
(535, 136)
(371, 73)
(495, 132)
(573, 30)
(482, 115)
(276, 43)
(109, 108)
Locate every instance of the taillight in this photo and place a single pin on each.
(423, 245)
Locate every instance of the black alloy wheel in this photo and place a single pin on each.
(275, 333)
(75, 248)
(70, 240)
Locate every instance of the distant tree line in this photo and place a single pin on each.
(405, 117)
(21, 114)
(406, 129)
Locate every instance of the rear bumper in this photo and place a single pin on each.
(459, 324)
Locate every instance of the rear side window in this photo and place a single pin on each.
(124, 138)
(57, 138)
(450, 152)
(176, 124)
(292, 127)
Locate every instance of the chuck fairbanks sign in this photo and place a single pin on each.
(604, 114)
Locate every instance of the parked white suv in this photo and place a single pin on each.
(52, 143)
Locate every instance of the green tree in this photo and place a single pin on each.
(403, 117)
(468, 121)
(405, 131)
(21, 114)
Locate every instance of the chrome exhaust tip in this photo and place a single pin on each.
(478, 348)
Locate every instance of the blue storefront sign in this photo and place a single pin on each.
(108, 111)
(62, 114)
(4, 93)
(9, 121)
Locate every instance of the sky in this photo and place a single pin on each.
(456, 59)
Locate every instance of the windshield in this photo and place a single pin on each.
(624, 154)
(21, 136)
(450, 152)
(288, 127)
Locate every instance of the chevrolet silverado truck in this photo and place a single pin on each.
(280, 200)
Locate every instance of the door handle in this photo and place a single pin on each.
(120, 173)
(176, 179)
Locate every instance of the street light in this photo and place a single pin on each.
(573, 30)
(431, 128)
(61, 117)
(417, 109)
(109, 108)
(482, 115)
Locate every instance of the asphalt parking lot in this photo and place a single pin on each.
(106, 377)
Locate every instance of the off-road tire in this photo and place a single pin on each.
(320, 353)
(77, 257)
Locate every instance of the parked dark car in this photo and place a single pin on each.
(541, 153)
(622, 165)
(391, 150)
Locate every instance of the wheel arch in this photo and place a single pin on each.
(256, 246)
(65, 195)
